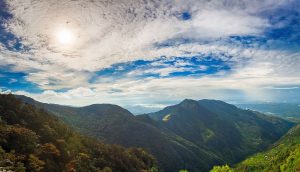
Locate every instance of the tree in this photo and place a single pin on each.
(35, 164)
(20, 139)
(224, 168)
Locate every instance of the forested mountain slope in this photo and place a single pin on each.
(193, 135)
(283, 156)
(34, 140)
(116, 125)
(232, 133)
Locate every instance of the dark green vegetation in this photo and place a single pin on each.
(286, 110)
(283, 156)
(225, 130)
(193, 135)
(116, 125)
(34, 140)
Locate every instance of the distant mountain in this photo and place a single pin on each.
(193, 135)
(285, 110)
(35, 140)
(284, 155)
(142, 109)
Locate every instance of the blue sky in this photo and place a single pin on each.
(149, 55)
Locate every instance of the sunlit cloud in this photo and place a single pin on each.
(138, 52)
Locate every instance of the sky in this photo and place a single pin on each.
(147, 54)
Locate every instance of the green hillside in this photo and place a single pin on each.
(283, 156)
(34, 140)
(192, 135)
(230, 132)
(114, 124)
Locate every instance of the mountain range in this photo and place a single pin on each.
(290, 111)
(192, 135)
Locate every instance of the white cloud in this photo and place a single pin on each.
(163, 71)
(171, 90)
(5, 91)
(282, 88)
(218, 23)
(156, 106)
(118, 31)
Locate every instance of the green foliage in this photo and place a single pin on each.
(226, 132)
(106, 169)
(284, 156)
(18, 138)
(154, 169)
(11, 161)
(193, 134)
(224, 168)
(34, 140)
(35, 164)
(183, 171)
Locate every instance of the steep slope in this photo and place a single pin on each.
(232, 133)
(250, 123)
(116, 125)
(283, 156)
(34, 140)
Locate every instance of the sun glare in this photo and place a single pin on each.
(65, 36)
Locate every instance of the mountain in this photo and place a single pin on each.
(193, 135)
(35, 140)
(231, 133)
(286, 110)
(284, 155)
(142, 109)
(116, 125)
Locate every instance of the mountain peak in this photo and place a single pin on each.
(25, 99)
(92, 106)
(210, 103)
(106, 109)
(188, 101)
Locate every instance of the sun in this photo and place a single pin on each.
(64, 36)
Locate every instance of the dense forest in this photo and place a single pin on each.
(34, 140)
(284, 156)
(192, 135)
